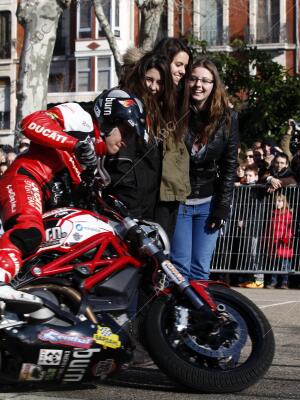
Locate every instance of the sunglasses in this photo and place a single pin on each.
(249, 156)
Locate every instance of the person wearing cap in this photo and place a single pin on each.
(66, 137)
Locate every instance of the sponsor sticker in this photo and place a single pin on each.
(55, 337)
(108, 105)
(54, 234)
(59, 212)
(55, 135)
(79, 365)
(106, 338)
(77, 237)
(51, 115)
(33, 195)
(172, 272)
(50, 357)
(31, 372)
(79, 227)
(97, 111)
(127, 103)
(12, 198)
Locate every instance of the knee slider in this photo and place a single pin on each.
(27, 240)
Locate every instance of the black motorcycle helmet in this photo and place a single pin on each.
(115, 107)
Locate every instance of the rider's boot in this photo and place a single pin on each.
(15, 300)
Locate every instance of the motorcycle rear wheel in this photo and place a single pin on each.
(204, 369)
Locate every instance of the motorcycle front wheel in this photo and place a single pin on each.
(225, 359)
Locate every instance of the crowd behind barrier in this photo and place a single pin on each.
(256, 238)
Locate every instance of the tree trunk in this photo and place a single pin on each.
(151, 11)
(39, 19)
(109, 35)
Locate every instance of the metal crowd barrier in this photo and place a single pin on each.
(258, 239)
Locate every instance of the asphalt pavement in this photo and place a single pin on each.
(282, 382)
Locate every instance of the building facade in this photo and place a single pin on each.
(83, 64)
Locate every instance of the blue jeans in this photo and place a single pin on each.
(285, 266)
(193, 242)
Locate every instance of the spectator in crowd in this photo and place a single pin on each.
(294, 157)
(10, 157)
(281, 249)
(279, 174)
(3, 167)
(260, 162)
(250, 225)
(7, 148)
(240, 174)
(256, 145)
(251, 174)
(258, 154)
(249, 157)
(268, 146)
(175, 185)
(213, 145)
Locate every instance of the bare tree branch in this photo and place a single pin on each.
(109, 35)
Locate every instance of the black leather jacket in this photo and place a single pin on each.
(135, 176)
(213, 168)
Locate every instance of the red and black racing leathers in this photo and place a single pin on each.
(54, 134)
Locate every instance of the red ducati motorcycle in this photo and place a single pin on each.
(106, 282)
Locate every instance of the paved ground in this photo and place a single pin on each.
(282, 382)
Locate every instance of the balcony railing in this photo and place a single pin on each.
(213, 37)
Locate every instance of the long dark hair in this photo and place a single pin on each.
(161, 107)
(170, 47)
(217, 105)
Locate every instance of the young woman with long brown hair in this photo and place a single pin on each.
(175, 186)
(136, 170)
(151, 81)
(213, 145)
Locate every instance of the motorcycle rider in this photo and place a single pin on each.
(69, 136)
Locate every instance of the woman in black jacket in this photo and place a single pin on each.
(213, 146)
(136, 170)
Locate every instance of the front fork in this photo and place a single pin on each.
(201, 288)
(195, 291)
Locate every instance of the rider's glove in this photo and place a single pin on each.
(85, 154)
(216, 223)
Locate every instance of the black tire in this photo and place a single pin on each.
(206, 374)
